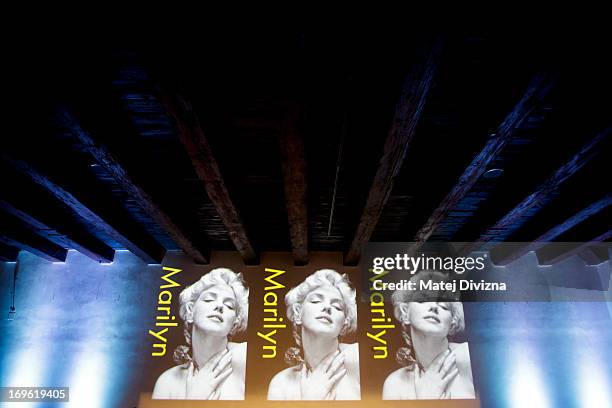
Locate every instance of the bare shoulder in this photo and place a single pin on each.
(168, 381)
(282, 381)
(282, 378)
(350, 351)
(465, 383)
(239, 351)
(239, 354)
(237, 348)
(351, 359)
(398, 376)
(462, 353)
(175, 373)
(395, 383)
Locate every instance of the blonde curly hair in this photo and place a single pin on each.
(406, 355)
(218, 276)
(297, 295)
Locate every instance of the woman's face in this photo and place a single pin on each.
(215, 310)
(431, 318)
(324, 311)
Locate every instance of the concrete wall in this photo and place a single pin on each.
(84, 325)
(78, 324)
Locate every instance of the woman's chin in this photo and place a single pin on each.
(324, 331)
(212, 330)
(431, 332)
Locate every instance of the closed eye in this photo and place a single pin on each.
(315, 299)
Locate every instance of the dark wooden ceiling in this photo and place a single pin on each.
(247, 140)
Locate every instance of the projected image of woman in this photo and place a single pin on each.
(210, 366)
(322, 310)
(433, 366)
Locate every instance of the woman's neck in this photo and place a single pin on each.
(427, 348)
(205, 346)
(317, 347)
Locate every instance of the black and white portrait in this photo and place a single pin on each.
(322, 310)
(433, 367)
(209, 366)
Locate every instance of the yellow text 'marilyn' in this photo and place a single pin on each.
(163, 318)
(271, 321)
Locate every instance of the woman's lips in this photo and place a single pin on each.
(432, 318)
(216, 318)
(326, 319)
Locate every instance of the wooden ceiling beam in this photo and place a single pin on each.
(504, 254)
(556, 252)
(88, 207)
(415, 89)
(40, 217)
(594, 255)
(199, 253)
(294, 180)
(543, 195)
(536, 91)
(8, 253)
(198, 149)
(13, 233)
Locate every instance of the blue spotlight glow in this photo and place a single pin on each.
(88, 379)
(594, 384)
(591, 362)
(27, 362)
(527, 384)
(526, 387)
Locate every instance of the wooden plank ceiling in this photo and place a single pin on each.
(309, 141)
